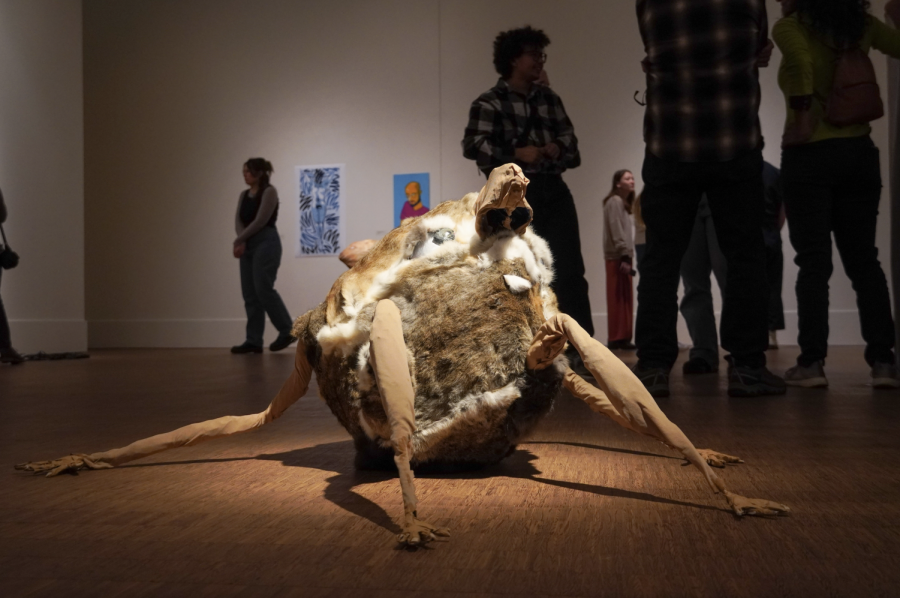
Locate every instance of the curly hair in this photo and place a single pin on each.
(844, 21)
(511, 44)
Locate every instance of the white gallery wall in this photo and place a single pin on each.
(179, 93)
(42, 172)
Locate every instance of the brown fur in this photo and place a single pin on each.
(467, 335)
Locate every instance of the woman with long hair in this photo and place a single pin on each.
(832, 180)
(618, 249)
(258, 247)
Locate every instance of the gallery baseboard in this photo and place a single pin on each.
(49, 336)
(103, 334)
(109, 334)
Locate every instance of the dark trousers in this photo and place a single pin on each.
(556, 220)
(259, 268)
(775, 276)
(672, 192)
(834, 186)
(702, 258)
(5, 341)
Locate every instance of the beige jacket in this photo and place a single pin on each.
(617, 237)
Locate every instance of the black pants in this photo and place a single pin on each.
(5, 342)
(259, 268)
(834, 186)
(775, 276)
(556, 220)
(672, 192)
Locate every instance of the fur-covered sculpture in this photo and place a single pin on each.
(442, 348)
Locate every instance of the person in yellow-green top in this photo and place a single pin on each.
(832, 183)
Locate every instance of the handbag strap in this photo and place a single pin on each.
(3, 234)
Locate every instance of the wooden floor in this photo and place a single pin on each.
(584, 509)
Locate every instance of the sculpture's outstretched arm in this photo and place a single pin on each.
(294, 388)
(624, 399)
(388, 358)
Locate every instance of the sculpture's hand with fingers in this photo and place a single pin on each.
(418, 533)
(717, 459)
(741, 505)
(69, 464)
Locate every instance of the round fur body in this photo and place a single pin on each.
(467, 333)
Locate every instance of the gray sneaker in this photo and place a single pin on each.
(884, 375)
(655, 380)
(812, 376)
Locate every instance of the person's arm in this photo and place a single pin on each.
(238, 225)
(796, 61)
(885, 39)
(797, 65)
(268, 203)
(564, 132)
(482, 140)
(617, 220)
(2, 209)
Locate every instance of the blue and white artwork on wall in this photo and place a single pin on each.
(320, 214)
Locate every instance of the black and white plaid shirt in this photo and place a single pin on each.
(702, 82)
(499, 123)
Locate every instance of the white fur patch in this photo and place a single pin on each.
(517, 284)
(471, 407)
(433, 223)
(365, 382)
(343, 336)
(513, 247)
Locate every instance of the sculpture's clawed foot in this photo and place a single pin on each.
(717, 459)
(742, 505)
(68, 464)
(418, 533)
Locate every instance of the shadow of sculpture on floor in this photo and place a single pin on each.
(337, 458)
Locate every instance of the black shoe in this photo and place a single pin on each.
(11, 356)
(655, 380)
(698, 365)
(246, 348)
(745, 381)
(282, 342)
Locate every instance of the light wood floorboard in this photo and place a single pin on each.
(584, 509)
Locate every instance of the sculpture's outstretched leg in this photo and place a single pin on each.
(624, 399)
(388, 358)
(293, 388)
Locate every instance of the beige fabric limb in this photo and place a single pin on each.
(293, 388)
(623, 398)
(504, 190)
(388, 358)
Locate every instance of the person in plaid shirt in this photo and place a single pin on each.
(522, 120)
(702, 134)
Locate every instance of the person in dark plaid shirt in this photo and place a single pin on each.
(522, 120)
(702, 134)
